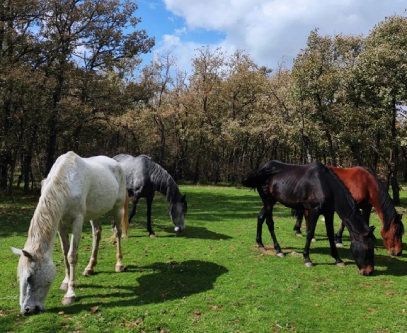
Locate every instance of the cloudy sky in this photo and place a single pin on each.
(271, 31)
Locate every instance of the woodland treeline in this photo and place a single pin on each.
(71, 79)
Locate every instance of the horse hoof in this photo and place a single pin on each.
(339, 245)
(280, 254)
(298, 234)
(120, 268)
(152, 236)
(313, 240)
(88, 272)
(308, 264)
(68, 300)
(340, 264)
(63, 286)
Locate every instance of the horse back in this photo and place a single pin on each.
(137, 171)
(92, 186)
(361, 184)
(298, 185)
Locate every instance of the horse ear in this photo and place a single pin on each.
(372, 228)
(17, 252)
(20, 253)
(184, 198)
(28, 254)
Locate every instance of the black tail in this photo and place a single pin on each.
(258, 177)
(297, 212)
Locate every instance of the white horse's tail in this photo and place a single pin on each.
(125, 217)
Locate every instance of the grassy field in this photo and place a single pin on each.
(211, 279)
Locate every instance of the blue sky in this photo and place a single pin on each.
(272, 32)
(158, 22)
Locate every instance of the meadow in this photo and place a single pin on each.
(212, 278)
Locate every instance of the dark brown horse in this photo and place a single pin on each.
(316, 189)
(368, 191)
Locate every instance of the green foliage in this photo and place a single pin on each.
(68, 83)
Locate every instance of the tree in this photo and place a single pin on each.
(382, 74)
(316, 81)
(91, 34)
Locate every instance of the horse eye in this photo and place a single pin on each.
(30, 279)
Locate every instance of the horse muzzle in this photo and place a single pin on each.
(396, 253)
(179, 229)
(30, 310)
(366, 271)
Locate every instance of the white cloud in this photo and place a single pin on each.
(183, 52)
(275, 30)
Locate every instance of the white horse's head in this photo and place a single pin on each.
(178, 210)
(35, 275)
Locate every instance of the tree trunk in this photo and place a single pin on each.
(376, 152)
(53, 123)
(404, 151)
(395, 157)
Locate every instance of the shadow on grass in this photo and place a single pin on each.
(394, 266)
(16, 213)
(189, 232)
(202, 207)
(158, 283)
(213, 206)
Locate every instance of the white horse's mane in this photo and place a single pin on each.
(48, 213)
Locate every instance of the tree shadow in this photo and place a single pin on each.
(203, 207)
(15, 223)
(159, 282)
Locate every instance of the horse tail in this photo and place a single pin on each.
(258, 177)
(125, 217)
(297, 212)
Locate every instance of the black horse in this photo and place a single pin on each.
(318, 190)
(143, 178)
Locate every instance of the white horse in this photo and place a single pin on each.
(75, 190)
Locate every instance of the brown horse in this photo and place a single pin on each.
(367, 192)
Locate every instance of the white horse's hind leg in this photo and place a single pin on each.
(73, 259)
(118, 215)
(96, 235)
(64, 239)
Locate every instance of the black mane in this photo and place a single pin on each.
(388, 209)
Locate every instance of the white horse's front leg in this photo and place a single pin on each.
(96, 235)
(73, 259)
(64, 239)
(118, 233)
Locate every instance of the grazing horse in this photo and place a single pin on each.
(75, 190)
(143, 178)
(368, 191)
(318, 190)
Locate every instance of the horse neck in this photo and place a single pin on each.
(171, 191)
(345, 205)
(44, 225)
(165, 184)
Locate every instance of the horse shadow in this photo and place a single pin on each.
(393, 265)
(189, 232)
(158, 283)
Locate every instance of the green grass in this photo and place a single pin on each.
(211, 279)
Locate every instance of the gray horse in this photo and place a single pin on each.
(143, 178)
